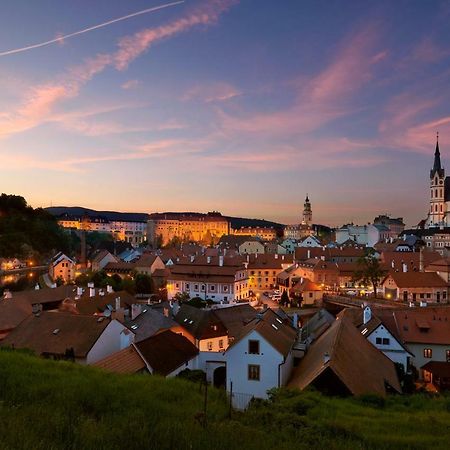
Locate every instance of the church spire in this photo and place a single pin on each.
(437, 159)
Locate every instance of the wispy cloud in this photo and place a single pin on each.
(211, 92)
(39, 102)
(321, 98)
(130, 84)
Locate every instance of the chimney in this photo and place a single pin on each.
(276, 255)
(7, 294)
(392, 264)
(405, 267)
(326, 358)
(79, 291)
(53, 286)
(421, 259)
(90, 285)
(37, 287)
(208, 259)
(91, 292)
(411, 304)
(117, 303)
(220, 260)
(308, 255)
(135, 311)
(109, 289)
(192, 258)
(367, 315)
(423, 304)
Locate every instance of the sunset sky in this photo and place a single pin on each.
(238, 106)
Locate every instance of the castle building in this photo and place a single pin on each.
(439, 211)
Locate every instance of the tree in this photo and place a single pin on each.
(369, 271)
(143, 283)
(181, 297)
(284, 298)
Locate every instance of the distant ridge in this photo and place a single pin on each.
(79, 211)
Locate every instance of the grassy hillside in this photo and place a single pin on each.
(58, 405)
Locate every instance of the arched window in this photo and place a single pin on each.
(435, 193)
(431, 193)
(435, 208)
(440, 192)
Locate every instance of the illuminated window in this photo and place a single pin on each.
(253, 372)
(427, 353)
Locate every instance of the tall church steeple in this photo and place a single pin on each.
(438, 206)
(437, 167)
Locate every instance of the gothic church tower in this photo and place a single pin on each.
(437, 211)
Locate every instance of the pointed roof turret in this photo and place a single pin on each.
(437, 167)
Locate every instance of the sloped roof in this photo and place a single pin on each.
(277, 331)
(55, 332)
(127, 360)
(12, 312)
(166, 351)
(200, 323)
(93, 305)
(148, 323)
(46, 295)
(235, 317)
(355, 361)
(407, 324)
(417, 279)
(269, 261)
(306, 285)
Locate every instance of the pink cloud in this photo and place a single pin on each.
(321, 98)
(131, 47)
(39, 102)
(130, 84)
(211, 92)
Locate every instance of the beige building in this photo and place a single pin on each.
(265, 233)
(187, 227)
(263, 270)
(61, 266)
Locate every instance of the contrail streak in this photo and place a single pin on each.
(86, 30)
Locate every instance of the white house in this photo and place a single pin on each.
(261, 359)
(85, 339)
(309, 241)
(378, 334)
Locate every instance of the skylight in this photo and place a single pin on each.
(363, 332)
(134, 327)
(274, 326)
(279, 320)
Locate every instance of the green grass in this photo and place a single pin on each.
(59, 405)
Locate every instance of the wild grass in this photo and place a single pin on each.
(60, 405)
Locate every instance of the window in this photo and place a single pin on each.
(253, 372)
(386, 341)
(210, 346)
(427, 353)
(212, 287)
(378, 341)
(220, 343)
(187, 287)
(253, 347)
